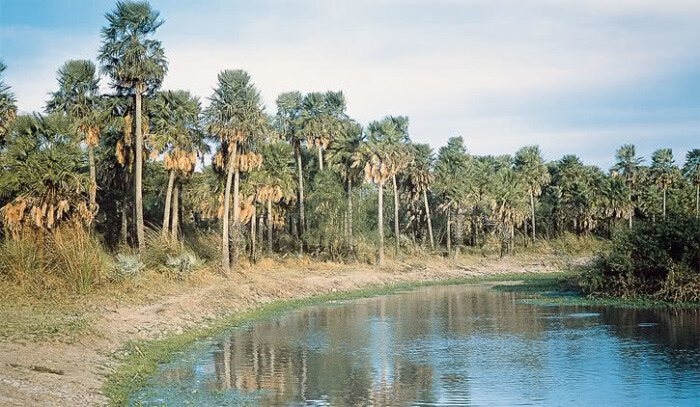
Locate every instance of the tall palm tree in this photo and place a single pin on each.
(452, 179)
(78, 97)
(627, 166)
(418, 177)
(136, 63)
(534, 174)
(691, 170)
(662, 171)
(8, 107)
(289, 112)
(391, 133)
(234, 116)
(176, 132)
(507, 205)
(616, 199)
(340, 157)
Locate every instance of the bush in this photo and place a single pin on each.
(184, 264)
(660, 260)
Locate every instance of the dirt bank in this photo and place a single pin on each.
(71, 372)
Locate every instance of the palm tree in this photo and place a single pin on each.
(8, 107)
(530, 167)
(78, 98)
(507, 205)
(691, 170)
(340, 157)
(617, 203)
(274, 180)
(136, 63)
(176, 132)
(234, 116)
(451, 180)
(627, 166)
(418, 177)
(391, 133)
(289, 111)
(662, 171)
(41, 177)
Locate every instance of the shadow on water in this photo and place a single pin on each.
(456, 345)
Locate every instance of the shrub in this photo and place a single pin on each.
(183, 264)
(125, 266)
(653, 259)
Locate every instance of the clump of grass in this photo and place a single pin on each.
(41, 263)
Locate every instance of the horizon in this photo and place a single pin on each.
(571, 77)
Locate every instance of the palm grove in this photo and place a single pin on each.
(119, 169)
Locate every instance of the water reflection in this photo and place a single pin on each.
(461, 345)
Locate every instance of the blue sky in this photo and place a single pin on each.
(577, 77)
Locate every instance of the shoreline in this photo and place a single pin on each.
(126, 341)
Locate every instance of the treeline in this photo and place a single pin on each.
(307, 179)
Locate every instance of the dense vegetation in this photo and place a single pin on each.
(100, 186)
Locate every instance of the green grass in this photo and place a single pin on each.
(561, 289)
(43, 323)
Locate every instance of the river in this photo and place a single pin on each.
(443, 346)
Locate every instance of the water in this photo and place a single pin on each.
(443, 346)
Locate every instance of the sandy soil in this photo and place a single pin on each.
(81, 366)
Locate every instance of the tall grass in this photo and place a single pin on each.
(70, 259)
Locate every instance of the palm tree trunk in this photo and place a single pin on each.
(397, 235)
(449, 231)
(629, 196)
(532, 206)
(697, 201)
(166, 210)
(300, 176)
(236, 221)
(430, 222)
(664, 202)
(140, 234)
(176, 211)
(93, 179)
(125, 223)
(252, 234)
(269, 224)
(225, 258)
(261, 241)
(380, 221)
(349, 218)
(320, 158)
(459, 232)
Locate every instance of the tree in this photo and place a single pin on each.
(8, 107)
(234, 116)
(136, 63)
(418, 177)
(662, 171)
(78, 98)
(274, 180)
(340, 157)
(40, 175)
(451, 179)
(176, 132)
(691, 170)
(616, 199)
(627, 166)
(391, 136)
(534, 174)
(507, 204)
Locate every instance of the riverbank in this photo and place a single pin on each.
(62, 352)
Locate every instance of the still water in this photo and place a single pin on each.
(443, 346)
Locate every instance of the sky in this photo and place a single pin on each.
(574, 77)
